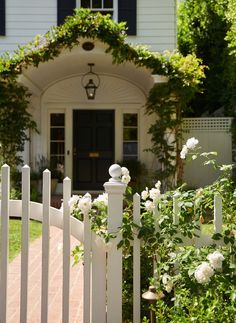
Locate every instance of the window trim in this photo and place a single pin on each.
(138, 130)
(114, 10)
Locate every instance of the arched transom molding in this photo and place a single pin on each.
(112, 89)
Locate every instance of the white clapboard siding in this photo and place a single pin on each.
(156, 24)
(25, 19)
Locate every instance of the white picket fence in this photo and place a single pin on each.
(102, 269)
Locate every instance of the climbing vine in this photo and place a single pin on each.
(166, 101)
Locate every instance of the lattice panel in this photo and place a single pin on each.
(209, 124)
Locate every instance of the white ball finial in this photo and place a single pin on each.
(115, 173)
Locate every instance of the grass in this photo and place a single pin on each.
(208, 228)
(35, 231)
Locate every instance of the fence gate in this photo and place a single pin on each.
(102, 269)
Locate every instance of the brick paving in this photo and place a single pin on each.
(55, 283)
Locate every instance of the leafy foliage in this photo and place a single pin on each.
(169, 256)
(14, 120)
(202, 29)
(231, 33)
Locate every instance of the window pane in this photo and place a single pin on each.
(57, 119)
(130, 134)
(57, 134)
(96, 4)
(108, 3)
(85, 3)
(130, 119)
(130, 148)
(57, 148)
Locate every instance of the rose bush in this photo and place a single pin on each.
(198, 283)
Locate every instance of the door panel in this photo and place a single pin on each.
(93, 148)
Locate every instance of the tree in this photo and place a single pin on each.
(202, 29)
(14, 120)
(231, 33)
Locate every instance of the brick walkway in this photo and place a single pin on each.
(55, 284)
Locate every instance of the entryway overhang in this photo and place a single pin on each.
(73, 64)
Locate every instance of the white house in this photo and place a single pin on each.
(85, 135)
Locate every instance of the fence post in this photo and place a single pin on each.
(218, 213)
(115, 189)
(176, 208)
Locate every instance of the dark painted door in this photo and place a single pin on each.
(93, 148)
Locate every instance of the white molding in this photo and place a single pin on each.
(159, 78)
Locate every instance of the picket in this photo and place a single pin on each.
(136, 262)
(66, 251)
(87, 268)
(4, 242)
(45, 244)
(98, 297)
(218, 221)
(25, 243)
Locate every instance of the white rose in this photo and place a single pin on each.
(166, 280)
(144, 194)
(125, 179)
(85, 204)
(149, 206)
(216, 259)
(183, 152)
(169, 286)
(102, 198)
(203, 273)
(158, 185)
(124, 171)
(73, 201)
(191, 143)
(154, 194)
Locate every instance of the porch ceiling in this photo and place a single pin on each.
(75, 62)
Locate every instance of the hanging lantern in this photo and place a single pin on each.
(90, 81)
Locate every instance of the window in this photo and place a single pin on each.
(130, 136)
(120, 10)
(103, 6)
(57, 139)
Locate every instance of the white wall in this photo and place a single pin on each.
(25, 19)
(213, 135)
(156, 23)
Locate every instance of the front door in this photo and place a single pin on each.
(93, 148)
